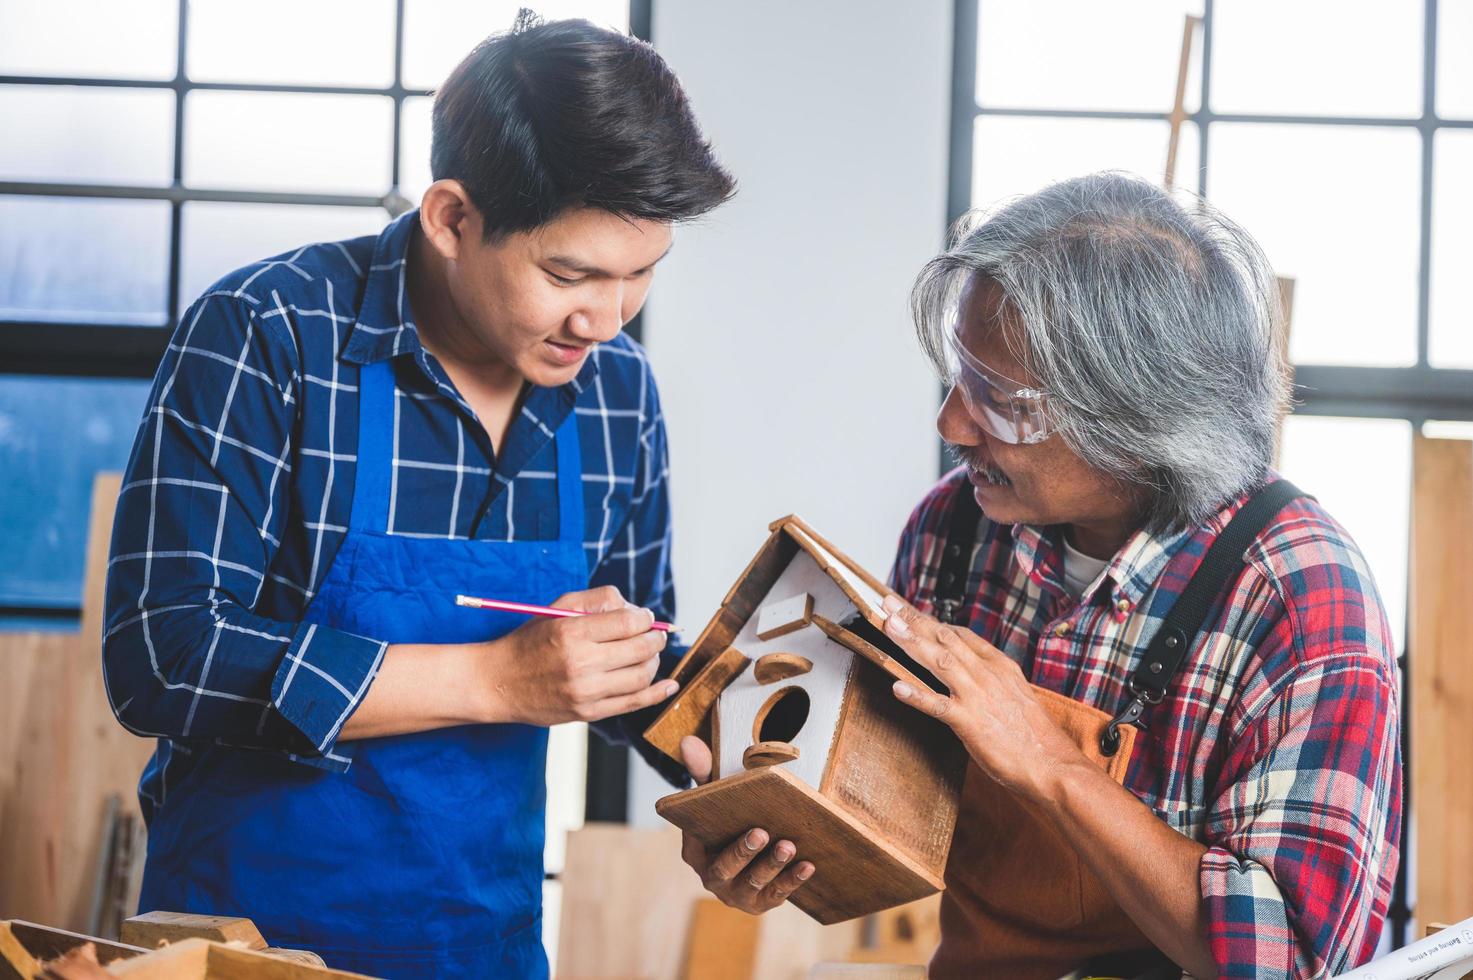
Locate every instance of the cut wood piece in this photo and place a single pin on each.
(47, 942)
(776, 667)
(768, 754)
(858, 871)
(784, 616)
(722, 942)
(857, 644)
(153, 928)
(690, 712)
(16, 962)
(201, 959)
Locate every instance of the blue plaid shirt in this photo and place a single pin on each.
(239, 489)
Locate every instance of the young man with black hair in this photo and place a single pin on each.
(342, 438)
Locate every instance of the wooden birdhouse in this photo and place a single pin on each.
(790, 685)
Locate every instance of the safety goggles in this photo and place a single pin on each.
(1008, 410)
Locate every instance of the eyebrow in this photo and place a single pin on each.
(592, 270)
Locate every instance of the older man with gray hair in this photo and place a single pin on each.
(1170, 668)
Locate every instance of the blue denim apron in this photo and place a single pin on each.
(425, 857)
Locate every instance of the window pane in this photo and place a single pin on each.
(81, 38)
(1083, 54)
(1328, 457)
(1318, 57)
(331, 144)
(1454, 67)
(439, 33)
(219, 238)
(1337, 209)
(414, 149)
(88, 261)
(46, 506)
(1450, 338)
(325, 42)
(1015, 155)
(79, 135)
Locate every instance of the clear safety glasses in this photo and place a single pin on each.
(1008, 410)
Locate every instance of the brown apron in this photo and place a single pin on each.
(1019, 903)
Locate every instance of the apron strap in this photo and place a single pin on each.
(1223, 562)
(375, 468)
(570, 523)
(956, 556)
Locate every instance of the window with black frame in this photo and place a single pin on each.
(156, 145)
(1348, 177)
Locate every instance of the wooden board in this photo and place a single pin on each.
(899, 770)
(858, 872)
(201, 959)
(722, 944)
(690, 712)
(629, 902)
(1441, 676)
(154, 928)
(48, 942)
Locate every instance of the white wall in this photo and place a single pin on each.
(778, 325)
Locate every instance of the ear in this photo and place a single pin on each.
(449, 220)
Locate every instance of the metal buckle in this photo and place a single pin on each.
(946, 610)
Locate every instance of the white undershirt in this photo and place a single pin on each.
(1080, 569)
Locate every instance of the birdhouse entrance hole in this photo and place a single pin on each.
(782, 717)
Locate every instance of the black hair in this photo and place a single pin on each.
(552, 116)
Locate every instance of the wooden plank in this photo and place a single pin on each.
(896, 769)
(55, 718)
(1441, 678)
(690, 712)
(870, 652)
(16, 962)
(48, 942)
(154, 928)
(629, 900)
(857, 870)
(722, 944)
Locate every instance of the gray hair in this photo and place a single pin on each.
(1152, 326)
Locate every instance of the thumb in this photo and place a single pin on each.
(697, 758)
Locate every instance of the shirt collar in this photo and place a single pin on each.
(385, 326)
(1127, 577)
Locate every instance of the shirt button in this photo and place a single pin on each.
(1123, 605)
(1060, 629)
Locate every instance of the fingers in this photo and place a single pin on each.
(733, 860)
(626, 680)
(765, 869)
(696, 755)
(788, 882)
(933, 704)
(647, 698)
(939, 648)
(606, 598)
(617, 624)
(617, 654)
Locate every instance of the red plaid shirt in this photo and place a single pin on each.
(1277, 746)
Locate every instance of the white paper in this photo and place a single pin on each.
(1444, 955)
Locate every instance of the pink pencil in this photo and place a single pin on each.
(522, 607)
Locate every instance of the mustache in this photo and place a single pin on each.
(978, 465)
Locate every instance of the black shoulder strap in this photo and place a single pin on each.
(956, 556)
(1222, 563)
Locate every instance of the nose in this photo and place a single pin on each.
(603, 317)
(955, 423)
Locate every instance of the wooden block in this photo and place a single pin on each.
(689, 713)
(154, 928)
(776, 667)
(1440, 671)
(784, 616)
(722, 944)
(768, 754)
(47, 942)
(16, 962)
(201, 959)
(857, 871)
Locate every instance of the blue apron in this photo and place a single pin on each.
(425, 857)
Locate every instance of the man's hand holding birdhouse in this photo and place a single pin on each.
(747, 874)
